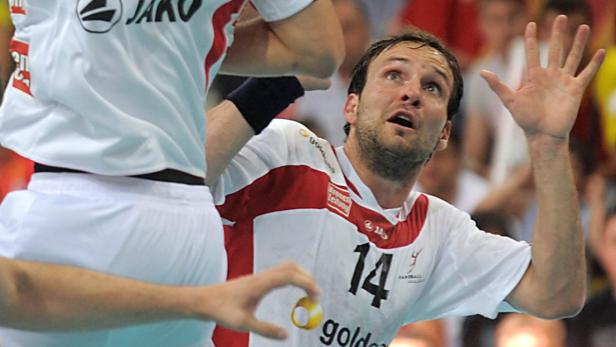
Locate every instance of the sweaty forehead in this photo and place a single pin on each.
(415, 53)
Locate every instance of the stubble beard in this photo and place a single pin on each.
(396, 163)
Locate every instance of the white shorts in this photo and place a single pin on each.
(153, 231)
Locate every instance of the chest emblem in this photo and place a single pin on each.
(411, 276)
(339, 199)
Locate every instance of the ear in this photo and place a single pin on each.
(444, 137)
(351, 105)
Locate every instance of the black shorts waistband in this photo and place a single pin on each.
(167, 175)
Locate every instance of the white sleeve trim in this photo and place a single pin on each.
(273, 10)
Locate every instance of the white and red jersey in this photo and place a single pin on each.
(117, 87)
(290, 195)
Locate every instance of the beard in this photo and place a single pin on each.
(395, 162)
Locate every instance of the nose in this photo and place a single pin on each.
(411, 93)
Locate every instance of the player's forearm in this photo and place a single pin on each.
(227, 133)
(309, 43)
(38, 296)
(558, 261)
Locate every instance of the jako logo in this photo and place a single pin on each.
(99, 16)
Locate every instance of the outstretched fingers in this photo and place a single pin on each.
(556, 41)
(577, 50)
(591, 69)
(531, 46)
(502, 90)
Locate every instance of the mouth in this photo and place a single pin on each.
(403, 119)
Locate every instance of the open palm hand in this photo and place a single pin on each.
(547, 101)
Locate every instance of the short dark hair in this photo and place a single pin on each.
(360, 72)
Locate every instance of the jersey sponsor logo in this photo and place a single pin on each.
(334, 334)
(315, 142)
(157, 10)
(17, 7)
(369, 225)
(21, 76)
(339, 199)
(99, 16)
(409, 276)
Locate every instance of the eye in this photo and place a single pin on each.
(393, 75)
(433, 87)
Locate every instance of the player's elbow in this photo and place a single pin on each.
(322, 61)
(572, 305)
(563, 305)
(573, 299)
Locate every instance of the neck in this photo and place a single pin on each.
(388, 193)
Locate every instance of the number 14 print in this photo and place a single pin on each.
(377, 290)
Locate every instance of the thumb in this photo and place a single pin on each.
(266, 329)
(503, 92)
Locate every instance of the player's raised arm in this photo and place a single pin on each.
(545, 106)
(39, 296)
(309, 42)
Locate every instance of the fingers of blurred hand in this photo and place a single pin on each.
(531, 46)
(266, 329)
(291, 274)
(556, 41)
(503, 92)
(577, 49)
(591, 69)
(313, 83)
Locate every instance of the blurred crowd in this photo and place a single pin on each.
(485, 169)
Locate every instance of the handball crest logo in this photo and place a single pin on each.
(99, 16)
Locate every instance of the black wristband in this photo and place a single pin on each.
(261, 99)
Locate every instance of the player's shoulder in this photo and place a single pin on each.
(436, 203)
(443, 211)
(285, 126)
(291, 132)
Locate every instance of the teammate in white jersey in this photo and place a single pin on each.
(382, 254)
(107, 89)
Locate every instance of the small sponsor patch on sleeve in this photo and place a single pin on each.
(21, 77)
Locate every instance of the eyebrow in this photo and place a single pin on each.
(406, 60)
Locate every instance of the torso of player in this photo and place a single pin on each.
(289, 195)
(371, 269)
(114, 86)
(368, 291)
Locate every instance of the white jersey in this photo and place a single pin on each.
(290, 195)
(117, 87)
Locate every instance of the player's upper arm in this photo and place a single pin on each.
(308, 42)
(264, 152)
(8, 291)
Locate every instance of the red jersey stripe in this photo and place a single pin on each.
(239, 246)
(302, 187)
(221, 17)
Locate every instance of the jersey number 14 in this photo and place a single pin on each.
(377, 290)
